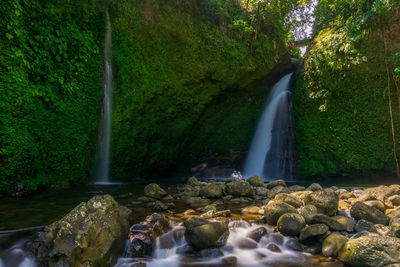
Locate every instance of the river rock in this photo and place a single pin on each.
(274, 210)
(276, 190)
(363, 225)
(346, 195)
(275, 183)
(380, 229)
(326, 201)
(336, 223)
(197, 202)
(289, 199)
(395, 226)
(92, 234)
(379, 193)
(154, 191)
(362, 211)
(192, 181)
(238, 188)
(315, 187)
(313, 230)
(246, 243)
(213, 190)
(291, 224)
(376, 204)
(296, 188)
(308, 212)
(200, 234)
(371, 250)
(261, 191)
(255, 180)
(257, 233)
(251, 210)
(333, 244)
(395, 200)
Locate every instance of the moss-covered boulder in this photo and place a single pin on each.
(212, 190)
(371, 250)
(313, 230)
(192, 181)
(201, 234)
(92, 234)
(154, 191)
(333, 244)
(238, 188)
(308, 212)
(255, 180)
(197, 202)
(276, 190)
(291, 224)
(336, 223)
(273, 211)
(289, 199)
(362, 211)
(326, 201)
(272, 184)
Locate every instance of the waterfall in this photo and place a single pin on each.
(272, 148)
(102, 167)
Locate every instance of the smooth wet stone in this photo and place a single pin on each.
(257, 233)
(197, 202)
(395, 200)
(238, 188)
(222, 213)
(210, 253)
(362, 211)
(293, 244)
(315, 187)
(276, 238)
(274, 210)
(379, 193)
(344, 205)
(251, 210)
(273, 247)
(276, 190)
(380, 229)
(371, 250)
(154, 191)
(395, 226)
(308, 212)
(246, 243)
(376, 204)
(159, 206)
(192, 181)
(275, 183)
(213, 190)
(291, 224)
(313, 230)
(336, 223)
(206, 235)
(255, 180)
(295, 188)
(326, 201)
(333, 244)
(289, 199)
(229, 259)
(261, 191)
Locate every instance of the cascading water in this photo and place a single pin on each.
(272, 149)
(102, 166)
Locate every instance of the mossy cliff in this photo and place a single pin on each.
(174, 60)
(341, 98)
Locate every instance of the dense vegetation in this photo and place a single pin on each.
(50, 90)
(347, 95)
(174, 59)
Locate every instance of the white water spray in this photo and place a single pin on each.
(269, 151)
(102, 167)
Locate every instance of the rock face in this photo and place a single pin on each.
(291, 224)
(255, 180)
(238, 188)
(92, 234)
(371, 250)
(326, 201)
(201, 234)
(154, 191)
(362, 211)
(213, 190)
(274, 210)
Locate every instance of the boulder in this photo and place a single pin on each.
(197, 202)
(274, 210)
(336, 223)
(261, 191)
(275, 183)
(206, 235)
(255, 180)
(251, 210)
(376, 204)
(363, 225)
(308, 212)
(333, 244)
(289, 199)
(395, 226)
(92, 234)
(371, 250)
(362, 211)
(257, 233)
(296, 188)
(379, 193)
(238, 188)
(313, 230)
(291, 224)
(395, 200)
(192, 181)
(276, 190)
(380, 229)
(326, 201)
(154, 191)
(213, 190)
(315, 187)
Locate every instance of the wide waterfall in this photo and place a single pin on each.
(272, 149)
(102, 167)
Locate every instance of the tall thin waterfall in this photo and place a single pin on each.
(102, 167)
(272, 148)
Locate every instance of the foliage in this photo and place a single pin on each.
(50, 65)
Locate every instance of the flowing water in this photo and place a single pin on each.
(102, 165)
(271, 151)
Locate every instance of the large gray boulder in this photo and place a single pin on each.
(238, 188)
(255, 180)
(371, 250)
(273, 211)
(213, 190)
(362, 211)
(289, 199)
(92, 234)
(326, 201)
(154, 191)
(201, 234)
